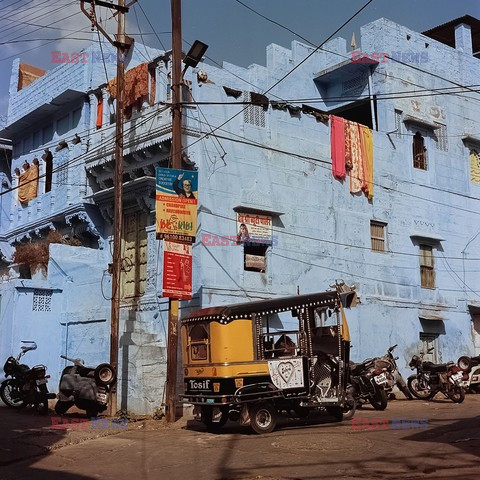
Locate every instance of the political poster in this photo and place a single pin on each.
(177, 270)
(176, 204)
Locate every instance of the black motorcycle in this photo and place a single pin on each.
(85, 387)
(386, 372)
(432, 378)
(365, 387)
(27, 386)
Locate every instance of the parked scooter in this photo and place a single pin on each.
(27, 386)
(432, 378)
(85, 387)
(367, 387)
(387, 374)
(471, 366)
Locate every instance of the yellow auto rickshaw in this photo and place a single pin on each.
(238, 366)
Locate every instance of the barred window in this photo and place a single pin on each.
(42, 300)
(398, 123)
(427, 271)
(441, 134)
(419, 152)
(253, 114)
(62, 174)
(377, 236)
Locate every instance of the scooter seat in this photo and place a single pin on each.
(434, 367)
(69, 382)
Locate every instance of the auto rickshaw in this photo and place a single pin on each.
(238, 367)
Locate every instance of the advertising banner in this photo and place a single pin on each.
(177, 270)
(254, 229)
(176, 204)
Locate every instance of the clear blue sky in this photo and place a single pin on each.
(232, 32)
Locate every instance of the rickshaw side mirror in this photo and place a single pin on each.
(348, 298)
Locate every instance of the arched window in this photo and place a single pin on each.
(48, 159)
(419, 152)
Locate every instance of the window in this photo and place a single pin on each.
(377, 236)
(47, 133)
(253, 114)
(37, 139)
(76, 116)
(255, 258)
(42, 300)
(63, 125)
(441, 134)
(429, 341)
(427, 272)
(398, 123)
(48, 159)
(198, 342)
(475, 166)
(419, 152)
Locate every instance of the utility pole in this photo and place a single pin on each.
(122, 43)
(176, 155)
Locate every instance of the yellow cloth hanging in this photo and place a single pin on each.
(28, 184)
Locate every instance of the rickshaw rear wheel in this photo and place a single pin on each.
(213, 427)
(263, 417)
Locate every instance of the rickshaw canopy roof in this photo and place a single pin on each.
(227, 313)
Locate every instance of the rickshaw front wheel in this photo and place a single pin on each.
(263, 417)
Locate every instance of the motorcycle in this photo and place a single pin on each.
(85, 387)
(471, 366)
(432, 378)
(387, 374)
(367, 387)
(27, 386)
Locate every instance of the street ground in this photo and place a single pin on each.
(322, 449)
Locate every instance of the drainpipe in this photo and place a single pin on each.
(372, 107)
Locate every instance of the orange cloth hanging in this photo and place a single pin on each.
(367, 154)
(28, 184)
(357, 157)
(337, 145)
(136, 85)
(99, 121)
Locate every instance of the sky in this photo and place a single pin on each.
(233, 33)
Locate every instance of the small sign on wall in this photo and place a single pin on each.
(177, 270)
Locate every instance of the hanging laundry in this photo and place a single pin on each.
(357, 174)
(99, 121)
(337, 146)
(28, 184)
(136, 85)
(367, 153)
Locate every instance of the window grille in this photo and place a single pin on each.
(427, 270)
(354, 83)
(377, 236)
(398, 123)
(419, 152)
(442, 139)
(253, 114)
(62, 174)
(42, 300)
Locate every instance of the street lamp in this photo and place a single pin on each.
(195, 54)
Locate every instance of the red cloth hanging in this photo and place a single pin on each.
(337, 144)
(99, 113)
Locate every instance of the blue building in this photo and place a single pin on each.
(260, 138)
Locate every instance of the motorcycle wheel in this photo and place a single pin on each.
(456, 394)
(6, 389)
(379, 400)
(416, 391)
(62, 407)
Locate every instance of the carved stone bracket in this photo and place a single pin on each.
(83, 217)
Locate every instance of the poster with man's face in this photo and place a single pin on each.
(176, 204)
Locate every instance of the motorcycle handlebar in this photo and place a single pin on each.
(76, 361)
(391, 349)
